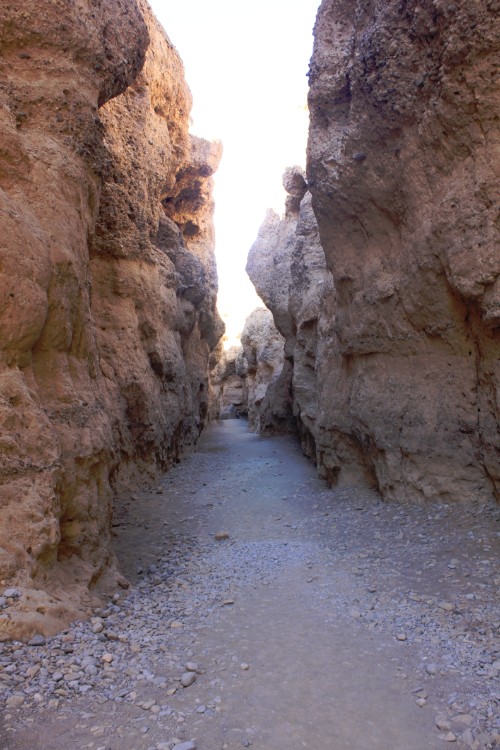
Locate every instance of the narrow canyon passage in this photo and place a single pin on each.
(325, 619)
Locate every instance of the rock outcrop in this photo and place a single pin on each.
(287, 267)
(261, 365)
(107, 278)
(397, 377)
(228, 397)
(402, 166)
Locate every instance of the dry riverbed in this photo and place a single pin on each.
(316, 619)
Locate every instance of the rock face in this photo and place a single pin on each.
(262, 367)
(402, 170)
(107, 277)
(396, 359)
(287, 267)
(228, 398)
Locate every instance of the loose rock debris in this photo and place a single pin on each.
(161, 665)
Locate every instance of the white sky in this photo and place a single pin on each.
(246, 65)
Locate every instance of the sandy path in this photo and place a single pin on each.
(311, 590)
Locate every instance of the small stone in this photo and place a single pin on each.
(37, 640)
(421, 702)
(171, 691)
(467, 738)
(221, 535)
(447, 606)
(463, 719)
(227, 602)
(57, 676)
(244, 666)
(107, 658)
(176, 624)
(449, 737)
(12, 593)
(15, 701)
(187, 679)
(442, 723)
(401, 637)
(191, 666)
(191, 745)
(431, 669)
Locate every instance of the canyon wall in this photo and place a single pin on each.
(253, 380)
(287, 266)
(396, 381)
(108, 283)
(260, 364)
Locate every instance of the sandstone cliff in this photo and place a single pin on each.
(108, 283)
(396, 379)
(402, 166)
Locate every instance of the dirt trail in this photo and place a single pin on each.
(319, 623)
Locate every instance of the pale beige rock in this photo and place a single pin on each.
(105, 326)
(260, 363)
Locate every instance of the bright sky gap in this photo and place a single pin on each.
(246, 66)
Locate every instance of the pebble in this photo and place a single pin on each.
(449, 737)
(244, 666)
(221, 535)
(191, 666)
(442, 722)
(37, 640)
(190, 745)
(12, 593)
(187, 679)
(14, 701)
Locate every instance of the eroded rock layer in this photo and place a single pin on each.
(398, 371)
(107, 283)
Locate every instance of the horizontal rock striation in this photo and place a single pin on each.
(107, 288)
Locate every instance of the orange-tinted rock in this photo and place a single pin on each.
(104, 353)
